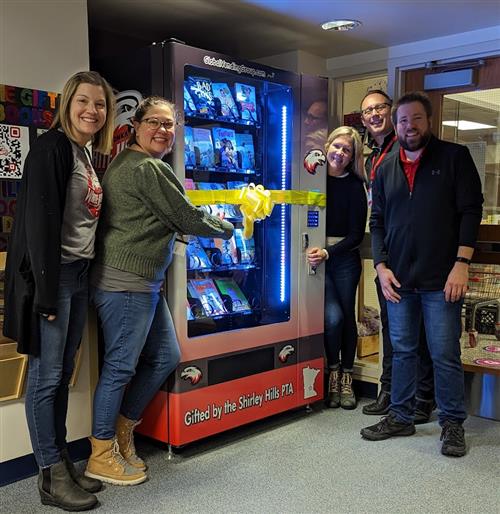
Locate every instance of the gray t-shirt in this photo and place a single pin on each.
(82, 209)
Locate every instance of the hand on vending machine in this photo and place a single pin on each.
(315, 256)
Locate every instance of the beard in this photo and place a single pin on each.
(416, 143)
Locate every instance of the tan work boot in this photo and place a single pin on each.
(125, 436)
(107, 464)
(333, 399)
(347, 396)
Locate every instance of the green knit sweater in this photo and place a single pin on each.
(144, 206)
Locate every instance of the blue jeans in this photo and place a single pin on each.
(342, 275)
(140, 351)
(50, 372)
(443, 328)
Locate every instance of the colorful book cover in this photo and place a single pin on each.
(228, 287)
(246, 247)
(200, 89)
(245, 148)
(195, 255)
(189, 153)
(227, 104)
(228, 251)
(236, 184)
(203, 147)
(225, 147)
(245, 97)
(209, 296)
(214, 209)
(189, 312)
(189, 106)
(189, 184)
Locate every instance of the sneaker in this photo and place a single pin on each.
(453, 438)
(380, 406)
(387, 427)
(333, 400)
(347, 397)
(423, 411)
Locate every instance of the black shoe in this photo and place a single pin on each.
(380, 406)
(387, 427)
(453, 438)
(91, 485)
(423, 411)
(57, 488)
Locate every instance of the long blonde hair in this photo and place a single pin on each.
(103, 139)
(356, 165)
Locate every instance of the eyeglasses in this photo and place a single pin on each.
(378, 108)
(155, 123)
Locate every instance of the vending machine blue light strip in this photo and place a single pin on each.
(284, 168)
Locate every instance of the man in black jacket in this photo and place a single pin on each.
(376, 117)
(426, 211)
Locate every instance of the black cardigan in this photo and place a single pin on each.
(34, 250)
(418, 234)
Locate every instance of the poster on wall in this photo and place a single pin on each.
(24, 114)
(14, 145)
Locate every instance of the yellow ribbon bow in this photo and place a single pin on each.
(255, 205)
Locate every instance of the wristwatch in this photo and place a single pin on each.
(463, 259)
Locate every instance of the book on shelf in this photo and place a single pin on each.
(245, 98)
(189, 312)
(209, 296)
(202, 140)
(189, 106)
(246, 247)
(228, 251)
(189, 184)
(246, 151)
(214, 209)
(195, 255)
(228, 107)
(236, 184)
(189, 153)
(200, 89)
(225, 147)
(228, 287)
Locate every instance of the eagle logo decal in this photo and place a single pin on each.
(191, 373)
(313, 159)
(287, 350)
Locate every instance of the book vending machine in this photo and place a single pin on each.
(248, 312)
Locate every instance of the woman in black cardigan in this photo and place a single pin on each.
(46, 285)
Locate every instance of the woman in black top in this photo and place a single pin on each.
(345, 227)
(46, 286)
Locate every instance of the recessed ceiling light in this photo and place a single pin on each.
(467, 125)
(340, 25)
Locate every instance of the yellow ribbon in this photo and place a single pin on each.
(256, 203)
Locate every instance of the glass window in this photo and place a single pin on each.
(472, 119)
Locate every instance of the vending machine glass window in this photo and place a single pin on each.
(237, 132)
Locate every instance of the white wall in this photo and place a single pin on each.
(297, 61)
(42, 43)
(395, 59)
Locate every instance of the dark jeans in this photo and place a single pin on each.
(425, 371)
(443, 328)
(50, 372)
(342, 275)
(140, 351)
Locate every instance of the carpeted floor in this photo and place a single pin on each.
(306, 463)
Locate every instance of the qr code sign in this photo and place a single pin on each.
(14, 145)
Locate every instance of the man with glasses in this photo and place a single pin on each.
(376, 117)
(426, 211)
